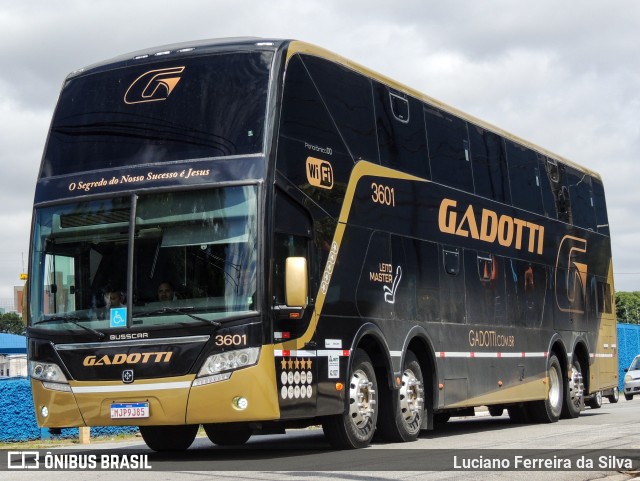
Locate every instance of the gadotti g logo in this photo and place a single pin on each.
(571, 275)
(153, 86)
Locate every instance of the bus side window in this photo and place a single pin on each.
(524, 178)
(308, 131)
(603, 293)
(490, 173)
(415, 279)
(452, 287)
(401, 135)
(484, 275)
(600, 205)
(449, 149)
(581, 195)
(348, 97)
(526, 288)
(548, 171)
(375, 294)
(556, 173)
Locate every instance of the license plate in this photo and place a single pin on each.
(129, 410)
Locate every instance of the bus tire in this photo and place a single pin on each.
(614, 397)
(596, 401)
(355, 427)
(549, 410)
(441, 418)
(223, 436)
(574, 392)
(169, 438)
(519, 413)
(496, 411)
(402, 410)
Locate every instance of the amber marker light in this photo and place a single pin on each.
(441, 386)
(339, 386)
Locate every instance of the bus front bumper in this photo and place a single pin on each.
(249, 394)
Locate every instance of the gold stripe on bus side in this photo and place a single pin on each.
(360, 170)
(525, 391)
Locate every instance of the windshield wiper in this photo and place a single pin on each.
(178, 310)
(71, 320)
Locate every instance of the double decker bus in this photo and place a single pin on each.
(251, 235)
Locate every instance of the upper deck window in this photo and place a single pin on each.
(524, 177)
(449, 149)
(188, 108)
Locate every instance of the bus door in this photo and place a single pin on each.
(295, 364)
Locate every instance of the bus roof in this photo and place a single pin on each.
(195, 47)
(294, 47)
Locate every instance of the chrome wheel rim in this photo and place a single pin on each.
(361, 399)
(576, 388)
(411, 397)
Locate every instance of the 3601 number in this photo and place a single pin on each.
(383, 194)
(231, 340)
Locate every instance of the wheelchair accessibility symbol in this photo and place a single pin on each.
(118, 317)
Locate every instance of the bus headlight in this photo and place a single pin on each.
(50, 374)
(229, 361)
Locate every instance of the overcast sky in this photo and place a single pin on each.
(562, 74)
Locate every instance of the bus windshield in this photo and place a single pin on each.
(188, 108)
(193, 260)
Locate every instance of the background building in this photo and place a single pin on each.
(13, 356)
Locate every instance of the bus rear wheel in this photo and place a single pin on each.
(169, 438)
(614, 396)
(596, 401)
(402, 410)
(355, 427)
(549, 410)
(226, 436)
(574, 392)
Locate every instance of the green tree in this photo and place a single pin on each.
(11, 323)
(628, 307)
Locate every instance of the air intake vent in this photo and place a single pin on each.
(94, 218)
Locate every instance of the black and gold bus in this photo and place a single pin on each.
(252, 234)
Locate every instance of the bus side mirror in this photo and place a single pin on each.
(296, 282)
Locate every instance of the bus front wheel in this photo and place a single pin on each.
(402, 410)
(355, 427)
(226, 436)
(169, 438)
